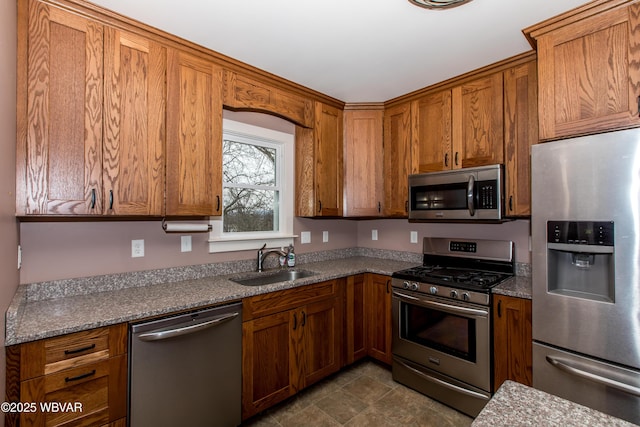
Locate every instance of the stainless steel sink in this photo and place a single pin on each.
(269, 277)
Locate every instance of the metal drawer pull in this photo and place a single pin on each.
(80, 350)
(185, 330)
(79, 377)
(565, 365)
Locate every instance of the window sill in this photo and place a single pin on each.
(247, 243)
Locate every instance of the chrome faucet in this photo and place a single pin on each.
(262, 255)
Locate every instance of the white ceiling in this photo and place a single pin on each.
(352, 50)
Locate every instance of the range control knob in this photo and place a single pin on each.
(433, 290)
(466, 296)
(453, 294)
(414, 286)
(405, 285)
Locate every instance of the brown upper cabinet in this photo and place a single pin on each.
(90, 117)
(363, 178)
(397, 160)
(319, 172)
(520, 133)
(243, 92)
(588, 69)
(458, 127)
(194, 136)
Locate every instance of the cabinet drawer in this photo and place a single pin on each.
(273, 302)
(53, 355)
(83, 390)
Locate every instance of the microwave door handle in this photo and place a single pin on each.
(471, 184)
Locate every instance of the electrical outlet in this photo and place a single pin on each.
(325, 236)
(374, 234)
(305, 237)
(414, 237)
(185, 243)
(19, 257)
(137, 248)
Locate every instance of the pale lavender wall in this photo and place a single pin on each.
(8, 223)
(395, 233)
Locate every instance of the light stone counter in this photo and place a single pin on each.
(516, 404)
(45, 310)
(517, 286)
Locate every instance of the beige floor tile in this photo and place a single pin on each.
(362, 395)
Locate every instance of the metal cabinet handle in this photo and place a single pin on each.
(304, 318)
(93, 198)
(319, 205)
(565, 365)
(456, 159)
(110, 199)
(79, 377)
(638, 106)
(511, 203)
(185, 330)
(379, 207)
(500, 308)
(446, 159)
(80, 350)
(295, 321)
(406, 206)
(217, 203)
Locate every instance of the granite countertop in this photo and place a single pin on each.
(44, 310)
(516, 404)
(517, 286)
(30, 318)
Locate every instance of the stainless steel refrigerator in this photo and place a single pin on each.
(585, 226)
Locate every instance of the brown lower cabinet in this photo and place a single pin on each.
(291, 339)
(512, 345)
(86, 370)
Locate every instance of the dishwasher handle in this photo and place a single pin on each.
(163, 334)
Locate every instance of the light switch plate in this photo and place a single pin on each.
(414, 237)
(185, 243)
(374, 234)
(137, 248)
(325, 236)
(305, 237)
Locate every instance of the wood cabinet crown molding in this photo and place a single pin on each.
(118, 21)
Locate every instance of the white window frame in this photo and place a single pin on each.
(219, 241)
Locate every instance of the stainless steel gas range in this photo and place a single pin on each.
(441, 338)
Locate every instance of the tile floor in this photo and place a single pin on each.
(361, 395)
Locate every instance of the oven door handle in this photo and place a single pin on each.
(464, 311)
(442, 383)
(565, 365)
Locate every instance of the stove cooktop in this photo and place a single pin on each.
(452, 277)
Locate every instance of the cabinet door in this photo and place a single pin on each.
(378, 303)
(397, 160)
(194, 136)
(512, 340)
(589, 77)
(431, 136)
(355, 332)
(478, 122)
(268, 347)
(59, 165)
(328, 161)
(133, 156)
(520, 133)
(363, 186)
(322, 326)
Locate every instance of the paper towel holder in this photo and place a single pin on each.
(184, 227)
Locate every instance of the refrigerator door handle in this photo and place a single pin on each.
(566, 366)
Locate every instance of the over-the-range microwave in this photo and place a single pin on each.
(470, 194)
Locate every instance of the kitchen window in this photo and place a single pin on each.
(257, 189)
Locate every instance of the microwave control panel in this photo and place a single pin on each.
(580, 232)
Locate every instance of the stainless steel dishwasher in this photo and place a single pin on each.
(186, 370)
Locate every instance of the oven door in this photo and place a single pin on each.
(449, 337)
